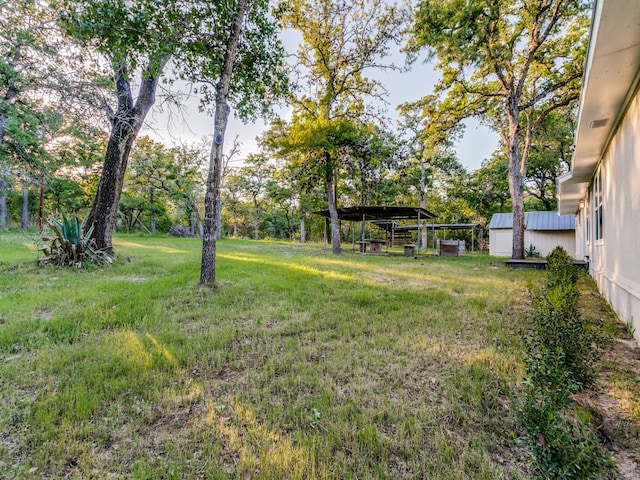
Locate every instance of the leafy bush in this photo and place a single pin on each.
(560, 359)
(72, 244)
(561, 268)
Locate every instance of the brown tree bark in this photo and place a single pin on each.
(24, 217)
(3, 206)
(333, 207)
(516, 180)
(212, 195)
(126, 123)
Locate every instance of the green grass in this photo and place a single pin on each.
(300, 365)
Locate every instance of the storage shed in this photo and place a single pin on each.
(543, 230)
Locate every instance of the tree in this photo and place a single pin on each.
(141, 37)
(341, 42)
(250, 75)
(233, 195)
(281, 190)
(550, 157)
(509, 63)
(39, 100)
(487, 188)
(254, 180)
(132, 37)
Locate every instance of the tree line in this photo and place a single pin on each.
(78, 79)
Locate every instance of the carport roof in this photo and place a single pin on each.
(379, 213)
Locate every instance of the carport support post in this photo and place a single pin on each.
(433, 235)
(353, 235)
(364, 219)
(472, 231)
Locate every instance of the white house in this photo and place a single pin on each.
(602, 189)
(543, 230)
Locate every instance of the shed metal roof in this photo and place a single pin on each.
(439, 226)
(535, 221)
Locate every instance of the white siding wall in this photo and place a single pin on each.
(615, 261)
(545, 241)
(501, 241)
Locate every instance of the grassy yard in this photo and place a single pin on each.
(300, 365)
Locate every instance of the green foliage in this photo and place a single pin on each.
(563, 446)
(560, 360)
(562, 271)
(531, 251)
(509, 64)
(72, 244)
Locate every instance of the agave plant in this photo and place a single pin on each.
(72, 244)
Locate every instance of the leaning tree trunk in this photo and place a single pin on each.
(212, 195)
(126, 123)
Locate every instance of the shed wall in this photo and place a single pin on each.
(501, 241)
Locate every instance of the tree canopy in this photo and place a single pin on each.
(509, 63)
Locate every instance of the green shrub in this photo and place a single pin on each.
(72, 244)
(560, 359)
(561, 268)
(558, 334)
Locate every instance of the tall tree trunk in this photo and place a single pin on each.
(126, 123)
(333, 208)
(199, 223)
(192, 223)
(212, 195)
(303, 231)
(41, 206)
(152, 213)
(422, 197)
(219, 214)
(256, 222)
(235, 224)
(4, 223)
(515, 184)
(24, 218)
(5, 106)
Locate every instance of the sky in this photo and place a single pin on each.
(477, 144)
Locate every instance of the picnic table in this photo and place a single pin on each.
(375, 245)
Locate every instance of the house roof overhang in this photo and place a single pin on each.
(612, 73)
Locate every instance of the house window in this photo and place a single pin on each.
(598, 223)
